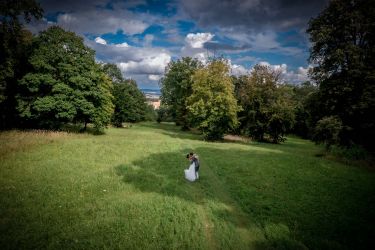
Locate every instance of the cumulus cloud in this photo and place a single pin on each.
(194, 46)
(146, 65)
(152, 65)
(197, 40)
(290, 76)
(100, 40)
(122, 45)
(154, 77)
(238, 70)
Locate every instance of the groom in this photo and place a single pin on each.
(193, 158)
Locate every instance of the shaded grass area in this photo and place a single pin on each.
(125, 189)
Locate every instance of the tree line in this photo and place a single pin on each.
(207, 97)
(336, 107)
(52, 79)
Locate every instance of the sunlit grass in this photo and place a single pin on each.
(125, 190)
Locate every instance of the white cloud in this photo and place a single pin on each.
(122, 45)
(146, 65)
(299, 76)
(197, 40)
(238, 70)
(194, 46)
(154, 77)
(153, 65)
(292, 76)
(100, 40)
(279, 67)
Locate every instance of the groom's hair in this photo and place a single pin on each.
(190, 154)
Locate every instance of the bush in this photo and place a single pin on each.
(327, 131)
(354, 152)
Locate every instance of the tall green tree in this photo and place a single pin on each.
(212, 106)
(113, 72)
(268, 109)
(130, 103)
(343, 52)
(15, 44)
(64, 84)
(305, 111)
(176, 87)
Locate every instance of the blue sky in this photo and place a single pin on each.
(142, 36)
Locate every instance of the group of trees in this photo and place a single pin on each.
(338, 108)
(52, 79)
(267, 105)
(216, 103)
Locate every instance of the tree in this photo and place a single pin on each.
(267, 105)
(305, 112)
(64, 84)
(176, 87)
(113, 72)
(327, 131)
(343, 52)
(130, 103)
(15, 44)
(212, 106)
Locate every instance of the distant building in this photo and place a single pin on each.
(154, 103)
(152, 97)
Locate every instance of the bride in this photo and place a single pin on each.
(190, 172)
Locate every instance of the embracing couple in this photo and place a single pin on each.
(192, 173)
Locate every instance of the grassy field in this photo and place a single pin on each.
(126, 190)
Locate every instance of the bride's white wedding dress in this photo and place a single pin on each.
(190, 173)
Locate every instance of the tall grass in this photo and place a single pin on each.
(125, 190)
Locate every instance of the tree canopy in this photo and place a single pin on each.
(64, 83)
(130, 103)
(267, 105)
(343, 55)
(176, 87)
(15, 43)
(212, 106)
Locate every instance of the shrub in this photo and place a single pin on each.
(327, 131)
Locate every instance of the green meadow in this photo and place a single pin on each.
(126, 190)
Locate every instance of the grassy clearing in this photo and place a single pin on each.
(125, 190)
